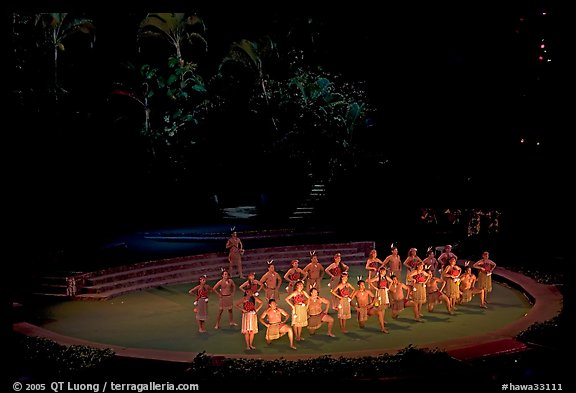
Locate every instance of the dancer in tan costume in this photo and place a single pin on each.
(315, 313)
(225, 289)
(314, 271)
(236, 250)
(486, 266)
(276, 326)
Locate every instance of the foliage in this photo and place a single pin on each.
(179, 95)
(55, 29)
(405, 363)
(476, 221)
(41, 355)
(551, 333)
(548, 274)
(181, 30)
(319, 115)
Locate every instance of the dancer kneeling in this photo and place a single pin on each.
(398, 300)
(434, 295)
(276, 325)
(315, 314)
(467, 281)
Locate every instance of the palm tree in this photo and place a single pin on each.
(178, 28)
(248, 55)
(56, 28)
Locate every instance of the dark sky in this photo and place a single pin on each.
(451, 80)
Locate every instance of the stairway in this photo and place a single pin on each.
(56, 284)
(118, 280)
(308, 206)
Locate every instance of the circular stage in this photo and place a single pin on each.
(160, 323)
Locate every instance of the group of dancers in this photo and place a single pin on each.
(430, 281)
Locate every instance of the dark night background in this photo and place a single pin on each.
(465, 116)
(456, 86)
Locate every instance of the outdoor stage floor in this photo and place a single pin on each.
(160, 323)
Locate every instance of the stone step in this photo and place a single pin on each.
(113, 281)
(193, 271)
(334, 247)
(161, 282)
(52, 288)
(222, 260)
(49, 294)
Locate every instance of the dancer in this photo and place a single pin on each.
(393, 260)
(343, 292)
(445, 256)
(234, 244)
(411, 262)
(250, 306)
(382, 301)
(254, 285)
(225, 289)
(451, 274)
(276, 326)
(315, 313)
(418, 278)
(298, 300)
(272, 281)
(399, 301)
(335, 270)
(434, 295)
(467, 281)
(373, 263)
(314, 271)
(486, 266)
(430, 262)
(364, 301)
(293, 275)
(70, 286)
(202, 290)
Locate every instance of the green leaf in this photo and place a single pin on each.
(172, 78)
